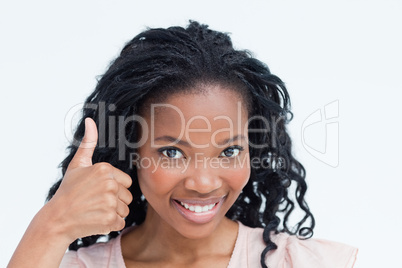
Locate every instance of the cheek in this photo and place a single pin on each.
(238, 177)
(157, 180)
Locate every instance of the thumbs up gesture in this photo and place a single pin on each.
(92, 198)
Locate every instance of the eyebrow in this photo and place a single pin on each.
(229, 140)
(185, 143)
(172, 139)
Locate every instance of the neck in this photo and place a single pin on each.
(157, 240)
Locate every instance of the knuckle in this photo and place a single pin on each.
(109, 219)
(103, 167)
(110, 202)
(111, 186)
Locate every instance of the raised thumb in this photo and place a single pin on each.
(83, 156)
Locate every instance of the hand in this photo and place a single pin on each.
(92, 199)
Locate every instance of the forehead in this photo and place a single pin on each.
(216, 111)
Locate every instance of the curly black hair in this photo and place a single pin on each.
(160, 62)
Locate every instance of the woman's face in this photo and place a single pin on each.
(195, 159)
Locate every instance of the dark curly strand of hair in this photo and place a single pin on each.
(160, 62)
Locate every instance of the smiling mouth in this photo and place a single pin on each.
(197, 208)
(198, 211)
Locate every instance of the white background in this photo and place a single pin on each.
(343, 51)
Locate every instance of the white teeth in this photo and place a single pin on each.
(198, 209)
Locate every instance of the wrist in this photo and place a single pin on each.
(49, 225)
(43, 244)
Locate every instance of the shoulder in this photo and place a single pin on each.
(105, 254)
(291, 251)
(311, 252)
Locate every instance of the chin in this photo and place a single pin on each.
(195, 232)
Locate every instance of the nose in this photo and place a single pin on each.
(203, 180)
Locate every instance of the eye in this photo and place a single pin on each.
(171, 153)
(232, 151)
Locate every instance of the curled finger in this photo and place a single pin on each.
(124, 195)
(122, 209)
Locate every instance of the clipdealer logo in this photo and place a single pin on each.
(325, 119)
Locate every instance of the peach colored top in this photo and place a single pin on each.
(291, 252)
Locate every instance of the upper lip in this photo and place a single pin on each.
(201, 202)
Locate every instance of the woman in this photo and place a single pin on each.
(184, 148)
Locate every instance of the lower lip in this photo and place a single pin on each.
(201, 217)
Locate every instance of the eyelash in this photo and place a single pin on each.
(235, 147)
(161, 150)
